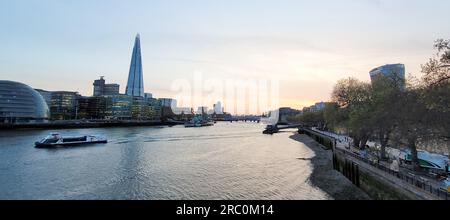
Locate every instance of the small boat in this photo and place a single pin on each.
(199, 124)
(55, 140)
(199, 121)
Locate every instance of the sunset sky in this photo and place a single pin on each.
(305, 45)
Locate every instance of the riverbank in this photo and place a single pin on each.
(325, 177)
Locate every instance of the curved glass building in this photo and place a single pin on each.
(21, 103)
(393, 71)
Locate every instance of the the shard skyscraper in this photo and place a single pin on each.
(135, 85)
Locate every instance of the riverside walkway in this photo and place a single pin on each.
(419, 185)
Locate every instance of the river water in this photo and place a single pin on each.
(226, 161)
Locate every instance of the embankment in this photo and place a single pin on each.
(325, 177)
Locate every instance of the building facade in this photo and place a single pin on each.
(395, 72)
(135, 85)
(46, 95)
(101, 88)
(64, 105)
(118, 107)
(202, 110)
(148, 95)
(166, 102)
(218, 108)
(155, 112)
(21, 103)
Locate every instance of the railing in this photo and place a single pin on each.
(412, 180)
(323, 139)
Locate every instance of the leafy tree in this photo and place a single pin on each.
(389, 109)
(354, 96)
(385, 95)
(435, 89)
(437, 69)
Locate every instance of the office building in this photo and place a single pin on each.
(218, 108)
(119, 107)
(64, 105)
(202, 110)
(46, 95)
(101, 88)
(395, 72)
(167, 102)
(148, 95)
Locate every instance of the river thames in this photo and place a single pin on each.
(226, 161)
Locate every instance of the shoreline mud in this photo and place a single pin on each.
(325, 177)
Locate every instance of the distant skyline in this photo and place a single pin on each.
(306, 45)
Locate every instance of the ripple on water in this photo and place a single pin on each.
(227, 161)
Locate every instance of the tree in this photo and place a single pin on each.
(333, 116)
(354, 96)
(436, 91)
(411, 123)
(313, 119)
(385, 95)
(437, 70)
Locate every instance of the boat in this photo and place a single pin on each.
(199, 121)
(198, 124)
(56, 140)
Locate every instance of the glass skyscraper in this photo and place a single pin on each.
(392, 71)
(135, 85)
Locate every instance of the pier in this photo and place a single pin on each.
(272, 129)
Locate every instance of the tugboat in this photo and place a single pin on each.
(56, 140)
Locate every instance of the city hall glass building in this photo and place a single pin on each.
(21, 103)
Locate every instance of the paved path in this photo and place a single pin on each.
(345, 143)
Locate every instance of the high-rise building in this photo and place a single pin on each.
(148, 95)
(101, 88)
(395, 72)
(135, 85)
(167, 102)
(218, 108)
(202, 110)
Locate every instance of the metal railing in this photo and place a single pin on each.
(412, 180)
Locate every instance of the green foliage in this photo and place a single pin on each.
(386, 109)
(315, 119)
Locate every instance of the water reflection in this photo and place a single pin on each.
(227, 161)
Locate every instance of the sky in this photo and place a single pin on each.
(304, 45)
